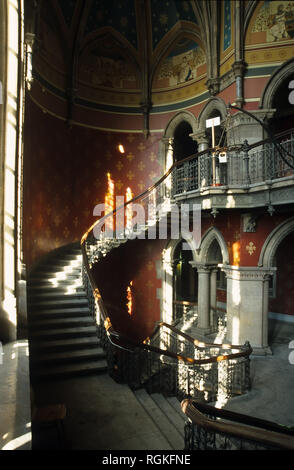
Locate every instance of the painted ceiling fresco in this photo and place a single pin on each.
(111, 49)
(181, 65)
(275, 20)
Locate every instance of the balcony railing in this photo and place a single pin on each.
(243, 166)
(246, 165)
(173, 363)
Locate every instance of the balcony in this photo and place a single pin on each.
(251, 176)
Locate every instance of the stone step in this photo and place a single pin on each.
(49, 288)
(69, 370)
(66, 357)
(64, 344)
(60, 313)
(173, 435)
(50, 278)
(37, 297)
(168, 409)
(66, 303)
(175, 403)
(46, 283)
(61, 323)
(63, 333)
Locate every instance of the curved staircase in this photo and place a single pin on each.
(62, 331)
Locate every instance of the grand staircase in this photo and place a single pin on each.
(62, 332)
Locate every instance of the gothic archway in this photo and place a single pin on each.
(173, 258)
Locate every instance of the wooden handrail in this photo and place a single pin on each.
(249, 428)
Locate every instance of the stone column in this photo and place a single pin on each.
(247, 306)
(239, 69)
(213, 278)
(203, 297)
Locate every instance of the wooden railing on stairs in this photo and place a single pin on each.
(210, 428)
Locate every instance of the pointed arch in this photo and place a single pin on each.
(177, 119)
(213, 104)
(182, 30)
(208, 238)
(270, 246)
(286, 70)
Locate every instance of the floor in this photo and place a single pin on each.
(102, 414)
(272, 377)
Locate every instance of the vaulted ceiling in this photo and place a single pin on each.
(130, 52)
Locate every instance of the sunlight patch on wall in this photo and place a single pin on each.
(130, 298)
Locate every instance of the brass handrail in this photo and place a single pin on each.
(247, 427)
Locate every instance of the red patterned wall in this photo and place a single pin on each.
(65, 176)
(134, 261)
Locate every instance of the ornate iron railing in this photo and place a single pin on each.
(240, 167)
(184, 311)
(156, 205)
(210, 428)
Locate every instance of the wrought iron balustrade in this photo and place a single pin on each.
(210, 428)
(173, 363)
(249, 164)
(217, 367)
(184, 312)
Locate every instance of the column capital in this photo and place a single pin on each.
(203, 267)
(199, 136)
(251, 273)
(167, 140)
(239, 68)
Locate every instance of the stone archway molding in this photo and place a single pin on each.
(203, 252)
(285, 71)
(214, 104)
(176, 120)
(272, 242)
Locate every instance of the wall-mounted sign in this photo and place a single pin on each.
(223, 157)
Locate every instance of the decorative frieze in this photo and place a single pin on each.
(241, 273)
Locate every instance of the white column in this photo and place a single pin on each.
(247, 306)
(213, 277)
(203, 298)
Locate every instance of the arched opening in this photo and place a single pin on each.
(283, 118)
(184, 282)
(183, 144)
(215, 257)
(281, 289)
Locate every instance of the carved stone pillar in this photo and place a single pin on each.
(247, 306)
(243, 127)
(213, 279)
(239, 69)
(203, 297)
